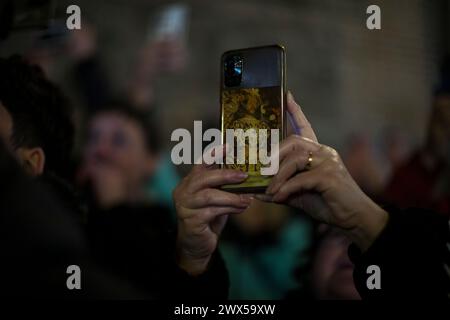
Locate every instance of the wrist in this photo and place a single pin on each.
(192, 265)
(371, 221)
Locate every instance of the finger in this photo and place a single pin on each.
(294, 162)
(216, 197)
(298, 119)
(216, 178)
(288, 167)
(264, 197)
(218, 224)
(307, 181)
(296, 144)
(217, 217)
(210, 152)
(216, 212)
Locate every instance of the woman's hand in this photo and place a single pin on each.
(202, 211)
(313, 178)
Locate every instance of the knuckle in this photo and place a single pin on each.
(293, 140)
(333, 153)
(328, 170)
(228, 175)
(333, 182)
(187, 178)
(341, 168)
(202, 216)
(208, 197)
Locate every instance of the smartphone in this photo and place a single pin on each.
(252, 96)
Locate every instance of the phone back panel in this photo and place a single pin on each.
(254, 101)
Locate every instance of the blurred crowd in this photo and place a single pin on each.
(120, 160)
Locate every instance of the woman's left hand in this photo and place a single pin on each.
(313, 178)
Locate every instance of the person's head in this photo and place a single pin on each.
(122, 138)
(35, 119)
(332, 270)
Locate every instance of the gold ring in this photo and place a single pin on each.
(310, 160)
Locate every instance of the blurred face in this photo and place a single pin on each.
(117, 143)
(440, 128)
(332, 269)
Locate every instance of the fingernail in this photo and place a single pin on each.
(272, 189)
(246, 199)
(275, 198)
(264, 197)
(290, 96)
(242, 175)
(275, 188)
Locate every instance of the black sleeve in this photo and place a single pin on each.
(139, 243)
(412, 253)
(212, 285)
(134, 250)
(40, 239)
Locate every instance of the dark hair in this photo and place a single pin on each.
(40, 113)
(143, 119)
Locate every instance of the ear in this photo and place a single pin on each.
(32, 160)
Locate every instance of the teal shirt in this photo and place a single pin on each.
(268, 272)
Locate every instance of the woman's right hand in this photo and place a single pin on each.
(202, 212)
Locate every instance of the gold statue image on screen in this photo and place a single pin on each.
(250, 108)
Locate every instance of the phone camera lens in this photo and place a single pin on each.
(233, 71)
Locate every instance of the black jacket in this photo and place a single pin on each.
(413, 254)
(137, 243)
(131, 254)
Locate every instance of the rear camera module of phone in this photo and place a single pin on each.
(233, 71)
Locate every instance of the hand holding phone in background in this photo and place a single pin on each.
(164, 53)
(167, 39)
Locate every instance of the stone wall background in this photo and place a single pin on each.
(347, 78)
